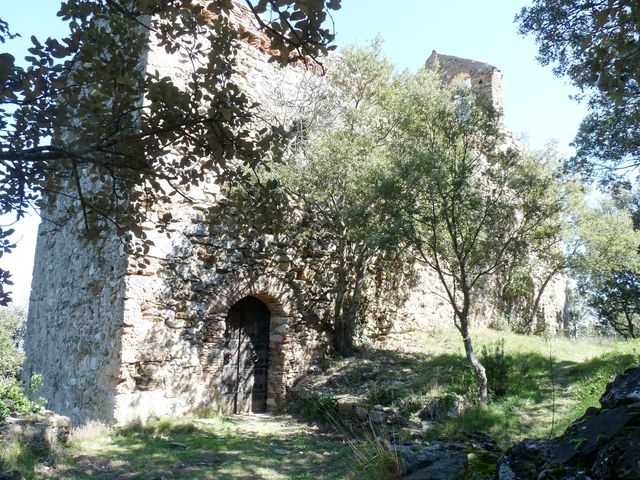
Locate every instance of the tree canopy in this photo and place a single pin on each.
(596, 45)
(333, 174)
(463, 199)
(84, 123)
(409, 166)
(605, 262)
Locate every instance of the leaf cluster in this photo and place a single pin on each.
(595, 44)
(11, 333)
(89, 133)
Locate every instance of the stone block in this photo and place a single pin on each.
(44, 428)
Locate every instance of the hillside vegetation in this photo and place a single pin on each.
(538, 387)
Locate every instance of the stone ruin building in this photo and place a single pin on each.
(219, 318)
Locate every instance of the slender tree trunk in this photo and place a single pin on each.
(355, 301)
(630, 326)
(478, 368)
(536, 303)
(342, 332)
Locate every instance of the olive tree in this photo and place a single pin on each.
(464, 201)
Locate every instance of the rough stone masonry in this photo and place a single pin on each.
(116, 342)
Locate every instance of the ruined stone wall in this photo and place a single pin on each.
(175, 309)
(74, 321)
(482, 77)
(119, 341)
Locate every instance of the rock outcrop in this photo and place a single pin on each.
(602, 444)
(470, 455)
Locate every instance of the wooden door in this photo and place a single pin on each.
(246, 357)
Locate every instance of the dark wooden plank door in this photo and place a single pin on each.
(246, 357)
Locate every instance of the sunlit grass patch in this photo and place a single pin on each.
(212, 448)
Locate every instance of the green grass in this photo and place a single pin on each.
(18, 456)
(548, 382)
(217, 448)
(545, 385)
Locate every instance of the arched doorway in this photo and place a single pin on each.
(246, 356)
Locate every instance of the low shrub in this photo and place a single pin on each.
(320, 407)
(14, 399)
(384, 395)
(499, 367)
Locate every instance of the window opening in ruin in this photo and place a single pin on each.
(463, 79)
(246, 357)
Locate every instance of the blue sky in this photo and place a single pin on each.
(536, 103)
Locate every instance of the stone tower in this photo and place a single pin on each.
(482, 77)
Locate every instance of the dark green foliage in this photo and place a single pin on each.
(595, 44)
(616, 302)
(14, 399)
(499, 367)
(320, 407)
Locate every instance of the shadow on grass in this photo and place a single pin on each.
(537, 396)
(164, 449)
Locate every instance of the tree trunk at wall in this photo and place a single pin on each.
(355, 301)
(343, 332)
(536, 304)
(349, 295)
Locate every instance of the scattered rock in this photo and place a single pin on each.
(347, 405)
(361, 413)
(377, 416)
(281, 451)
(442, 408)
(624, 390)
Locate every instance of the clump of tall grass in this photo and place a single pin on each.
(375, 458)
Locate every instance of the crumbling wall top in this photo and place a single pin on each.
(485, 78)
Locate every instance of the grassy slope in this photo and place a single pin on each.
(550, 382)
(544, 376)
